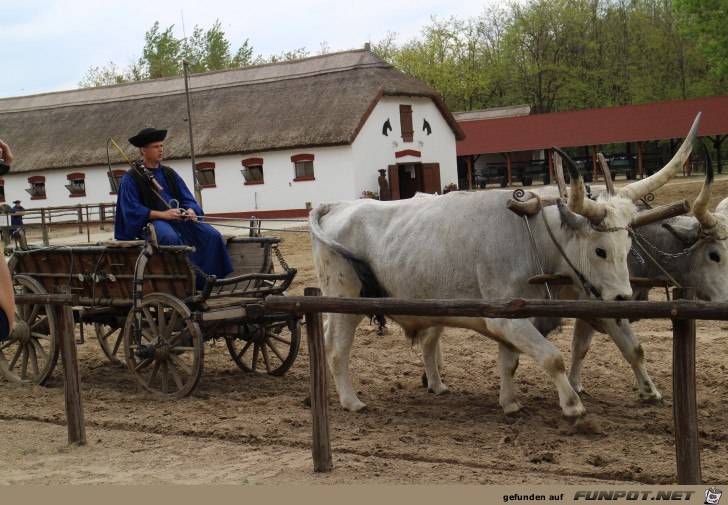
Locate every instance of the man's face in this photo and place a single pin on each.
(153, 153)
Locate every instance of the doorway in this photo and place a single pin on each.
(406, 179)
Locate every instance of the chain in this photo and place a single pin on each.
(665, 257)
(195, 269)
(282, 261)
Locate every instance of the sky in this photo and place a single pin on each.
(50, 45)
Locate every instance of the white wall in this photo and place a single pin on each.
(373, 151)
(341, 172)
(332, 172)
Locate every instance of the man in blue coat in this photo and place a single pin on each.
(154, 193)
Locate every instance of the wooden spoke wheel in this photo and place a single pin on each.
(169, 358)
(266, 348)
(111, 340)
(31, 353)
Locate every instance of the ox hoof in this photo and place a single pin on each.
(443, 390)
(355, 406)
(521, 413)
(583, 393)
(424, 380)
(651, 399)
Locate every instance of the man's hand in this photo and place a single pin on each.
(175, 214)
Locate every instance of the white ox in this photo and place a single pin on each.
(468, 245)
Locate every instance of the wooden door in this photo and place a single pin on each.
(393, 174)
(431, 178)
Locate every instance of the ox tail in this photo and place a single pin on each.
(370, 285)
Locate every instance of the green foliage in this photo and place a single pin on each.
(706, 21)
(162, 56)
(554, 55)
(571, 54)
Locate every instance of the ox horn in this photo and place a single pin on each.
(638, 189)
(577, 201)
(700, 208)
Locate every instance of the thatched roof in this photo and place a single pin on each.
(318, 101)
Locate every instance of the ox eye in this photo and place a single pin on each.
(714, 256)
(601, 253)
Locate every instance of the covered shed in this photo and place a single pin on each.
(519, 135)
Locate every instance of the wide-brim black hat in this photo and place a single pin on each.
(147, 136)
(16, 201)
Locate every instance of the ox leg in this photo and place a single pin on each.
(338, 338)
(507, 365)
(521, 335)
(432, 356)
(632, 351)
(580, 343)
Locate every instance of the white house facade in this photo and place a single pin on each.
(270, 140)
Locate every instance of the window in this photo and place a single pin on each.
(2, 190)
(76, 184)
(253, 170)
(115, 180)
(405, 121)
(37, 189)
(205, 173)
(303, 164)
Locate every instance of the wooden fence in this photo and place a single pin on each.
(46, 218)
(683, 311)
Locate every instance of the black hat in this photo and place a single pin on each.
(16, 201)
(382, 170)
(147, 136)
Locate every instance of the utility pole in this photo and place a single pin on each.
(198, 192)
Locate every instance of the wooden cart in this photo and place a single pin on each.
(147, 311)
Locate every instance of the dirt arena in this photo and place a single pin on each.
(252, 429)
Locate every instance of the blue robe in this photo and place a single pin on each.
(210, 256)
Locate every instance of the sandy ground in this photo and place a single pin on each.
(239, 428)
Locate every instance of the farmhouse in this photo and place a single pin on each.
(269, 140)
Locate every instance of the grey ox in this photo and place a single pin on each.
(693, 251)
(468, 245)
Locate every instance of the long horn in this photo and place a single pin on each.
(606, 173)
(700, 208)
(578, 202)
(638, 189)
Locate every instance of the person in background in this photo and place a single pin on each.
(7, 292)
(170, 207)
(16, 218)
(384, 193)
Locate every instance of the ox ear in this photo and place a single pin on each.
(688, 235)
(570, 218)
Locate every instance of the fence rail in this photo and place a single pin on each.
(682, 311)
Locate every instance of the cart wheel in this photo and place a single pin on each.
(32, 352)
(266, 348)
(111, 339)
(169, 360)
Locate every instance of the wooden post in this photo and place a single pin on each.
(44, 233)
(88, 226)
(687, 449)
(509, 169)
(80, 219)
(319, 389)
(71, 375)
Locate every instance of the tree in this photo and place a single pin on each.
(706, 21)
(162, 53)
(162, 56)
